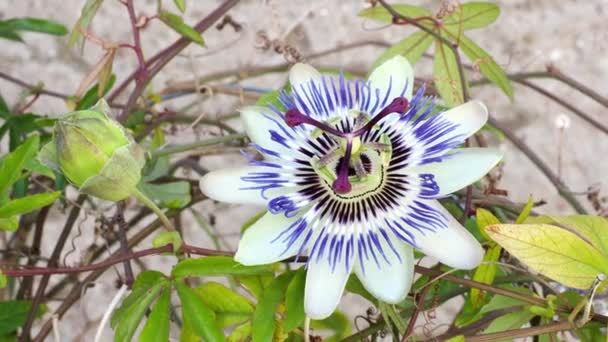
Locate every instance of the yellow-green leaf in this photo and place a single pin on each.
(472, 15)
(176, 22)
(447, 76)
(485, 273)
(553, 251)
(593, 229)
(523, 216)
(29, 203)
(486, 64)
(180, 4)
(412, 48)
(230, 307)
(86, 16)
(485, 218)
(380, 13)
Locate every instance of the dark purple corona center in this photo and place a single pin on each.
(293, 117)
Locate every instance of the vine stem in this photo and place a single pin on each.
(203, 143)
(109, 310)
(53, 262)
(150, 204)
(158, 61)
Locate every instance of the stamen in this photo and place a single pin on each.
(293, 117)
(398, 105)
(342, 185)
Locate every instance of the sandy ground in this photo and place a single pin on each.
(528, 35)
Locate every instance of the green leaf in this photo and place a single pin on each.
(241, 333)
(199, 316)
(593, 229)
(230, 307)
(143, 283)
(270, 98)
(176, 22)
(294, 301)
(13, 314)
(487, 65)
(472, 15)
(354, 285)
(412, 48)
(158, 325)
(13, 163)
(553, 251)
(338, 323)
(263, 322)
(170, 237)
(86, 16)
(380, 13)
(510, 321)
(181, 5)
(29, 203)
(523, 216)
(216, 265)
(485, 218)
(446, 75)
(91, 97)
(10, 224)
(10, 35)
(173, 195)
(255, 284)
(485, 273)
(34, 25)
(5, 112)
(127, 320)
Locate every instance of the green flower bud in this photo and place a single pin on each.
(95, 153)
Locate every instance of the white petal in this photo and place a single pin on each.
(397, 72)
(226, 185)
(259, 245)
(259, 122)
(453, 246)
(299, 76)
(389, 283)
(469, 118)
(324, 288)
(464, 167)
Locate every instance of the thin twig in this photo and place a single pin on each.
(33, 88)
(541, 165)
(53, 262)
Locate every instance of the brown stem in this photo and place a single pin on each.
(521, 333)
(119, 220)
(417, 309)
(33, 88)
(166, 55)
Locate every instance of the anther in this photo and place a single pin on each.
(293, 117)
(398, 105)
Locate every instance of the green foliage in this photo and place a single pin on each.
(563, 253)
(180, 4)
(170, 237)
(294, 301)
(338, 323)
(86, 16)
(158, 324)
(198, 315)
(176, 22)
(172, 195)
(446, 74)
(10, 29)
(216, 265)
(126, 319)
(263, 323)
(230, 307)
(13, 314)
